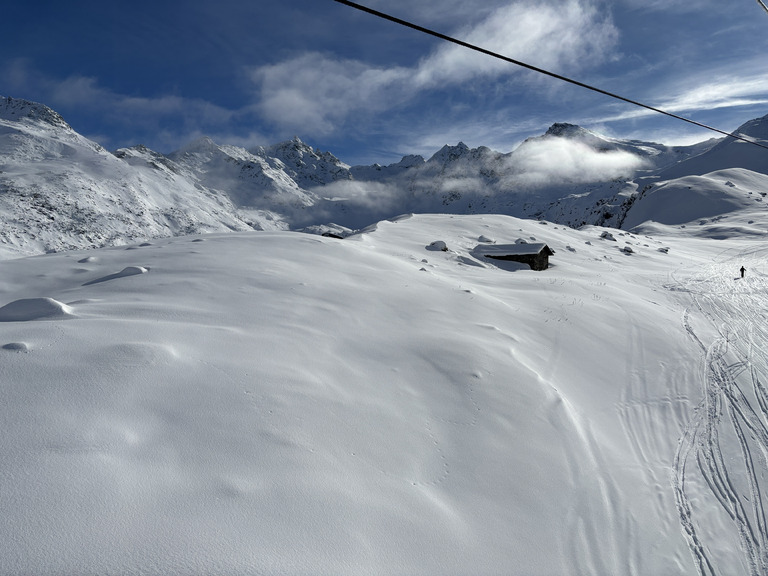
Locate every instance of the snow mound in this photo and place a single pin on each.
(28, 309)
(438, 246)
(16, 347)
(127, 271)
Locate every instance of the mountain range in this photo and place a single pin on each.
(60, 190)
(274, 402)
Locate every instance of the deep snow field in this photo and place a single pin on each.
(280, 403)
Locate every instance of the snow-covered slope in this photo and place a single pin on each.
(728, 153)
(733, 197)
(273, 402)
(60, 191)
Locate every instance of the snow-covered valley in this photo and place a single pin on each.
(274, 402)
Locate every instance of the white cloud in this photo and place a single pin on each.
(566, 35)
(190, 117)
(559, 160)
(315, 92)
(722, 92)
(682, 6)
(318, 92)
(696, 94)
(368, 194)
(84, 91)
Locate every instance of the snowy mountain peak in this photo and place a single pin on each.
(574, 132)
(15, 110)
(307, 166)
(410, 161)
(595, 141)
(449, 153)
(141, 155)
(295, 153)
(566, 130)
(757, 128)
(201, 145)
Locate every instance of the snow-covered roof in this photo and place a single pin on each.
(511, 249)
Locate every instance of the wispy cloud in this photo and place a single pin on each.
(695, 94)
(165, 121)
(436, 12)
(552, 36)
(722, 92)
(315, 92)
(320, 92)
(673, 5)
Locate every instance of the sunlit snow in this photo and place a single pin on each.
(394, 402)
(274, 402)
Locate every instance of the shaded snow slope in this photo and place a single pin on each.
(272, 402)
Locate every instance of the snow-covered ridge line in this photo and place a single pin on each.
(60, 191)
(16, 109)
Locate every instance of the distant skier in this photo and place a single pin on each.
(742, 271)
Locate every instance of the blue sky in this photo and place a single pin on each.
(163, 73)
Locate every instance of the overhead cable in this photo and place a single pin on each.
(763, 5)
(487, 52)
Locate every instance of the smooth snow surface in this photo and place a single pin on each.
(279, 403)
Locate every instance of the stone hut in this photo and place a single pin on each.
(536, 255)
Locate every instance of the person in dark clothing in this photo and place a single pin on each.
(742, 271)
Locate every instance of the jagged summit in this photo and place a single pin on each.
(564, 129)
(307, 166)
(15, 109)
(575, 132)
(297, 154)
(410, 161)
(449, 153)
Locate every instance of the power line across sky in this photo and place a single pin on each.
(493, 54)
(370, 91)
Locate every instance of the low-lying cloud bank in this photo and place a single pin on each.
(558, 161)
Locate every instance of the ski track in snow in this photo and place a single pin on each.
(733, 412)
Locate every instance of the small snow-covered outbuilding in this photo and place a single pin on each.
(536, 255)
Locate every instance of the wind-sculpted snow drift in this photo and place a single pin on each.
(27, 309)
